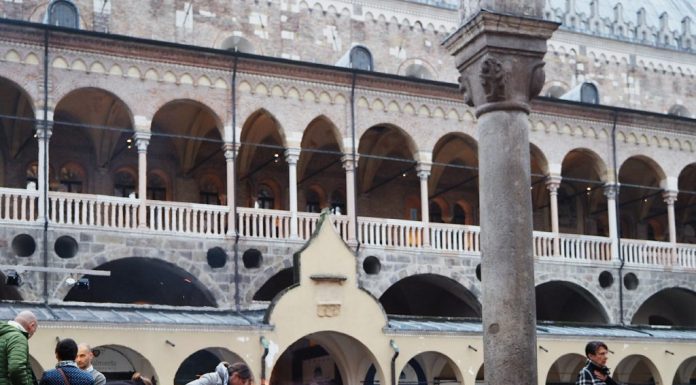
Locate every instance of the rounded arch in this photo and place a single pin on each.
(275, 284)
(140, 280)
(319, 167)
(563, 301)
(667, 307)
(237, 44)
(686, 373)
(326, 357)
(539, 168)
(417, 68)
(565, 369)
(430, 367)
(413, 296)
(94, 104)
(118, 362)
(685, 207)
(16, 131)
(637, 369)
(643, 212)
(203, 361)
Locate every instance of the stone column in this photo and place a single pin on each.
(292, 155)
(499, 54)
(43, 136)
(611, 192)
(423, 170)
(670, 197)
(552, 184)
(230, 153)
(142, 140)
(349, 165)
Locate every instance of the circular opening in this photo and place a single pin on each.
(252, 259)
(371, 265)
(216, 257)
(606, 279)
(630, 281)
(23, 245)
(478, 272)
(65, 247)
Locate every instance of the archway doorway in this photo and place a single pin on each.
(118, 362)
(430, 368)
(325, 358)
(686, 373)
(637, 370)
(201, 362)
(565, 369)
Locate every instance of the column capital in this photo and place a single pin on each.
(44, 133)
(229, 150)
(611, 190)
(553, 182)
(348, 163)
(670, 196)
(142, 140)
(292, 155)
(500, 60)
(423, 170)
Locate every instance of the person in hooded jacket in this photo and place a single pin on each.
(225, 374)
(14, 349)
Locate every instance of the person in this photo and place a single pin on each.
(84, 362)
(15, 368)
(66, 371)
(595, 371)
(226, 374)
(136, 379)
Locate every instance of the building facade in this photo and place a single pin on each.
(187, 149)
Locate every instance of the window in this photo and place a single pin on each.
(313, 204)
(435, 213)
(209, 194)
(679, 110)
(265, 198)
(237, 44)
(338, 203)
(124, 184)
(156, 188)
(589, 94)
(459, 215)
(70, 179)
(417, 71)
(63, 13)
(361, 58)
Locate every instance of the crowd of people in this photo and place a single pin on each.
(74, 366)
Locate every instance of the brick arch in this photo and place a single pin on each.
(468, 282)
(605, 308)
(261, 278)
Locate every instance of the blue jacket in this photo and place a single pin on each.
(75, 375)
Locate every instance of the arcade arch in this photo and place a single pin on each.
(277, 283)
(325, 358)
(565, 369)
(319, 168)
(685, 207)
(642, 211)
(668, 307)
(139, 280)
(186, 138)
(203, 361)
(540, 195)
(560, 301)
(119, 362)
(17, 142)
(430, 295)
(637, 369)
(430, 368)
(686, 373)
(581, 202)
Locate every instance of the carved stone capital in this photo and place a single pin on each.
(348, 163)
(229, 150)
(292, 155)
(142, 140)
(500, 60)
(423, 170)
(610, 191)
(553, 183)
(670, 197)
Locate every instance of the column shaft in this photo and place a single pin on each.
(42, 183)
(142, 140)
(231, 203)
(291, 156)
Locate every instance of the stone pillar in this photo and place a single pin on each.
(552, 184)
(670, 197)
(230, 154)
(499, 54)
(423, 170)
(349, 165)
(142, 140)
(43, 136)
(292, 155)
(611, 191)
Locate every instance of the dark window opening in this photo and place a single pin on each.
(63, 14)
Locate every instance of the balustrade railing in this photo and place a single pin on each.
(187, 218)
(92, 210)
(459, 238)
(21, 205)
(390, 233)
(18, 205)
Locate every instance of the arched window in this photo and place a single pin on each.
(124, 184)
(417, 71)
(435, 213)
(338, 203)
(555, 92)
(156, 188)
(589, 94)
(33, 174)
(360, 58)
(63, 13)
(265, 198)
(237, 44)
(209, 193)
(679, 110)
(458, 215)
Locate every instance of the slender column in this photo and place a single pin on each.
(670, 197)
(499, 54)
(292, 155)
(552, 184)
(230, 154)
(142, 140)
(43, 136)
(611, 191)
(349, 165)
(423, 170)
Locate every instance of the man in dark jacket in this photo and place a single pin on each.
(595, 371)
(66, 371)
(14, 350)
